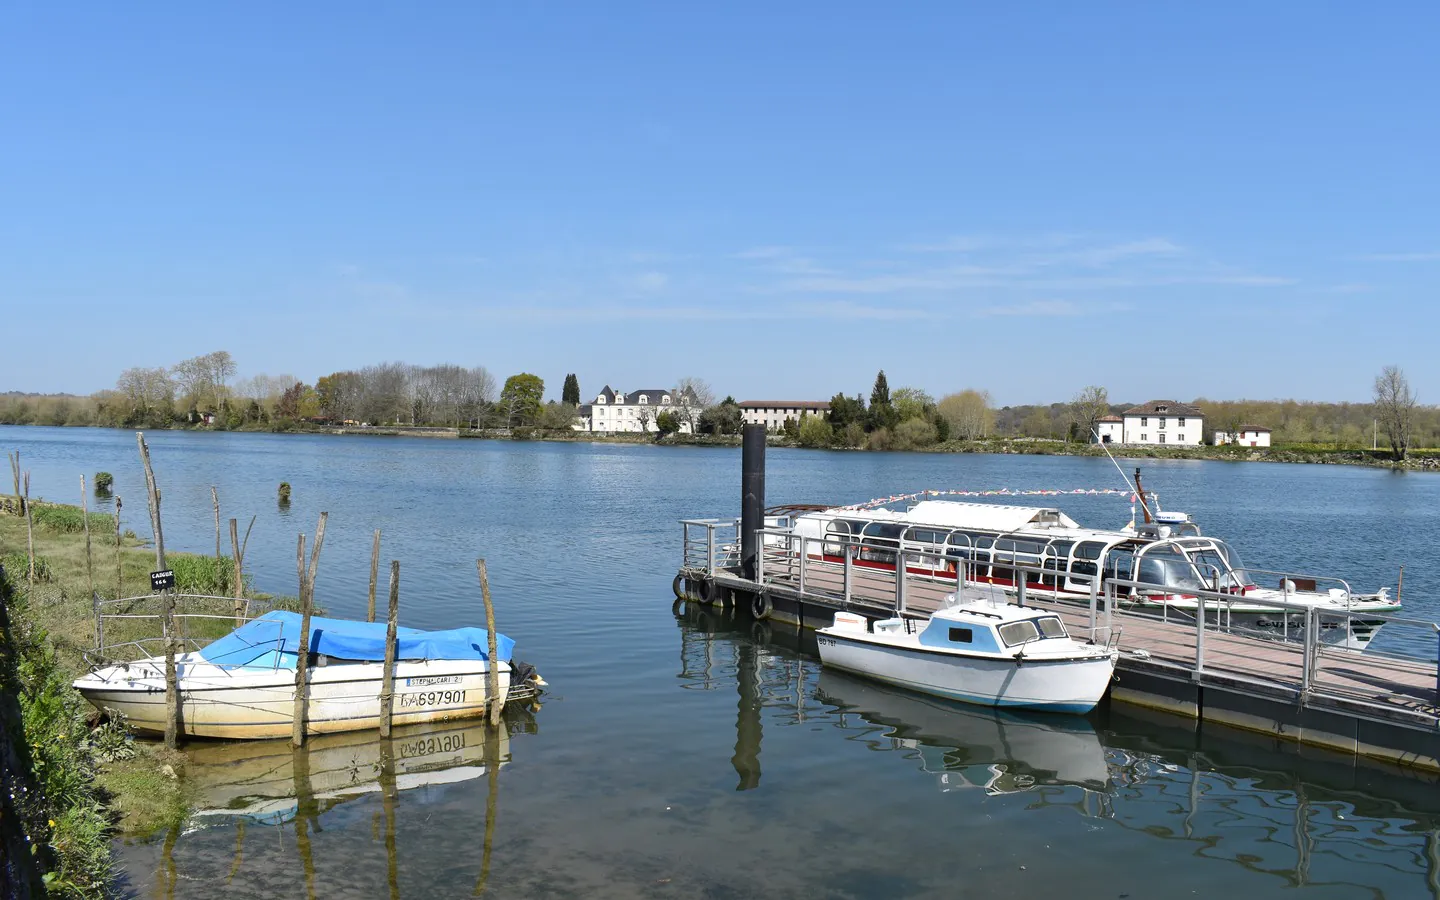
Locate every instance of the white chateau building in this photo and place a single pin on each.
(635, 411)
(1247, 436)
(1157, 422)
(773, 413)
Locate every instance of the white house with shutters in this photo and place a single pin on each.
(636, 411)
(1160, 422)
(1245, 436)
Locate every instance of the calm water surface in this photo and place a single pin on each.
(702, 755)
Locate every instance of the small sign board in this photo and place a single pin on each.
(165, 578)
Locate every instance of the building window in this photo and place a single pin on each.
(1144, 420)
(1161, 423)
(1162, 438)
(1180, 421)
(644, 399)
(1180, 438)
(1144, 437)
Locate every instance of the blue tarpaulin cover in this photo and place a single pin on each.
(279, 632)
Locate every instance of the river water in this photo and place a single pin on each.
(700, 755)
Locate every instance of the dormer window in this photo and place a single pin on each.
(600, 399)
(644, 399)
(620, 399)
(1161, 409)
(665, 399)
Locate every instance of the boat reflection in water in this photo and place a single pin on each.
(970, 747)
(266, 783)
(262, 782)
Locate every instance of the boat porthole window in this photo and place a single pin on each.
(960, 635)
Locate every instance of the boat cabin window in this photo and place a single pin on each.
(1051, 627)
(1086, 555)
(1027, 630)
(961, 635)
(1021, 632)
(1168, 568)
(1223, 559)
(1057, 559)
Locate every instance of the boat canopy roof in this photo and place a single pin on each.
(279, 632)
(987, 516)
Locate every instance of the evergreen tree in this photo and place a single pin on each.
(880, 394)
(571, 392)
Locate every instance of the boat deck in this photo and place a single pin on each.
(1369, 703)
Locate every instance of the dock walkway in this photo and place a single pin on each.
(1368, 704)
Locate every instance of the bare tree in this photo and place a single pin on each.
(643, 415)
(690, 397)
(1086, 410)
(1395, 409)
(969, 414)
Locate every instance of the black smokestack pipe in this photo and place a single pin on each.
(752, 495)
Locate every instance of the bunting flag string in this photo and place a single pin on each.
(999, 492)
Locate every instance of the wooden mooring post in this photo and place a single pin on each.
(387, 674)
(302, 659)
(492, 672)
(167, 617)
(374, 575)
(119, 567)
(237, 551)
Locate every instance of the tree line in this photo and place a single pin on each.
(204, 390)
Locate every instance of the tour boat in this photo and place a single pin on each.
(977, 649)
(243, 685)
(983, 543)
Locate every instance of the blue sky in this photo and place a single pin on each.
(1171, 200)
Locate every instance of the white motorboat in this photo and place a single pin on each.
(243, 685)
(988, 543)
(976, 649)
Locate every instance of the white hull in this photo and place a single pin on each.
(1054, 685)
(241, 703)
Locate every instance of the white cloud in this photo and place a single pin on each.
(650, 281)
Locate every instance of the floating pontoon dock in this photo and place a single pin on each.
(1371, 704)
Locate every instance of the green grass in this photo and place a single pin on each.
(70, 520)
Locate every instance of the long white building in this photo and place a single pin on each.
(773, 413)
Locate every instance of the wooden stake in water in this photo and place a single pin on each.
(374, 575)
(492, 668)
(307, 597)
(302, 657)
(387, 676)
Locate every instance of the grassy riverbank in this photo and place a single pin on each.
(94, 779)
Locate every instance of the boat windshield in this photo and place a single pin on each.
(1027, 630)
(1169, 569)
(1223, 559)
